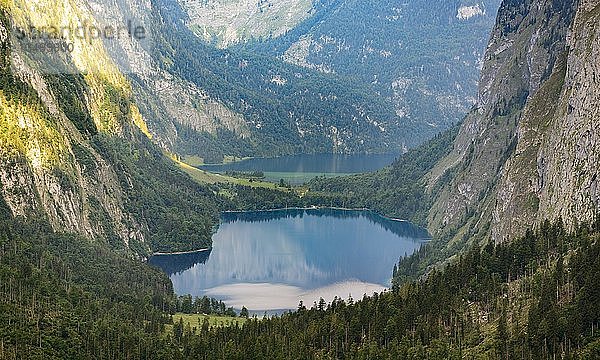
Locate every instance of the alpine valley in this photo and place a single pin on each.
(490, 106)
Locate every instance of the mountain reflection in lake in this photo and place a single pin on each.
(271, 260)
(174, 264)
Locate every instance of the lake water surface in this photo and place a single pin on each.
(269, 261)
(297, 169)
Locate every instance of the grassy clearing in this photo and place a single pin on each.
(196, 321)
(193, 160)
(206, 177)
(262, 184)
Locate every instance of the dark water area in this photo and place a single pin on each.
(178, 263)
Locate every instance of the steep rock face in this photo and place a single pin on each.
(520, 182)
(227, 22)
(74, 148)
(569, 156)
(55, 173)
(41, 164)
(527, 153)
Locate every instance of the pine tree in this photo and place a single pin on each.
(502, 335)
(244, 312)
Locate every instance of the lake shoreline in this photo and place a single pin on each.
(180, 252)
(270, 260)
(308, 163)
(315, 207)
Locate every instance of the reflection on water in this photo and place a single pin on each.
(176, 264)
(319, 163)
(398, 227)
(271, 260)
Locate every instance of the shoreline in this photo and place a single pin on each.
(180, 252)
(315, 207)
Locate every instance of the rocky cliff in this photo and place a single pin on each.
(529, 151)
(74, 149)
(178, 113)
(227, 22)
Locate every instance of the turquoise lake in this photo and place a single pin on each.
(269, 261)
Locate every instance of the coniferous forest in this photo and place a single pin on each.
(533, 298)
(536, 297)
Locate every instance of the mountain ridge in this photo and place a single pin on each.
(424, 57)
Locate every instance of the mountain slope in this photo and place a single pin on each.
(310, 80)
(75, 151)
(287, 109)
(423, 56)
(526, 153)
(181, 116)
(209, 103)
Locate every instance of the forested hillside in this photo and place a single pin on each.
(64, 297)
(287, 109)
(533, 298)
(398, 191)
(424, 56)
(75, 151)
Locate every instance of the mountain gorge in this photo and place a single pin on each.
(511, 199)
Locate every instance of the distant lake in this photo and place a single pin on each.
(299, 168)
(269, 261)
